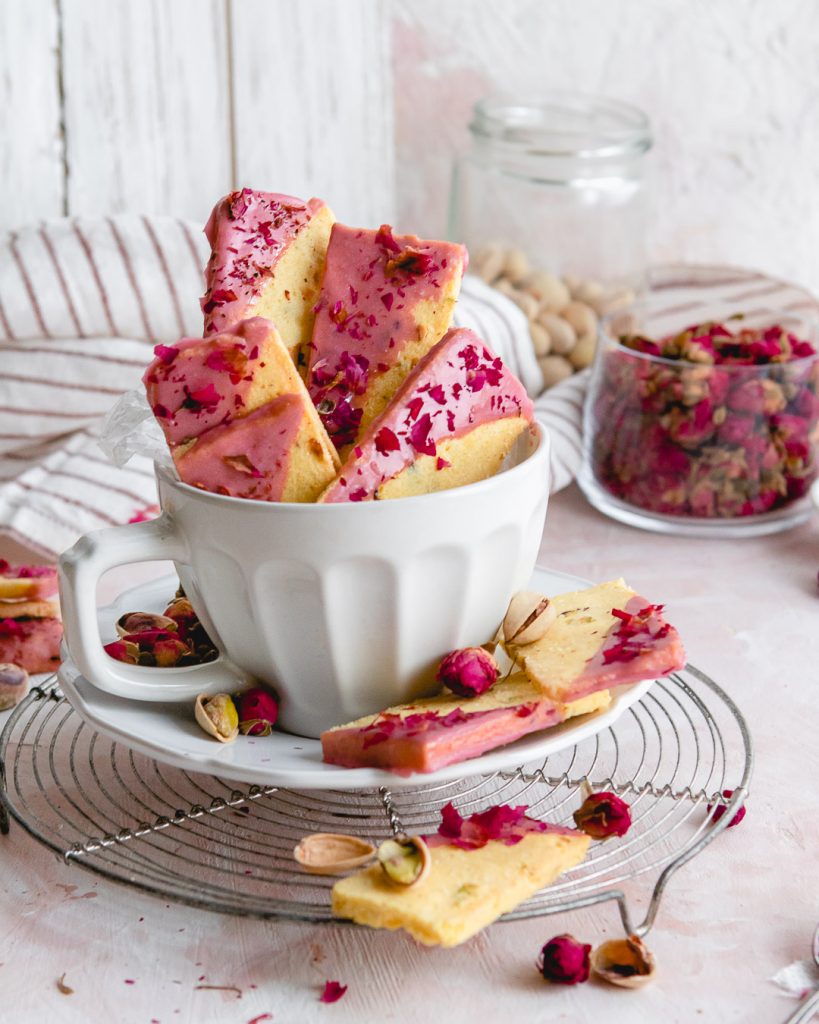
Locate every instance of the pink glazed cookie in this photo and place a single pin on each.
(267, 254)
(385, 300)
(452, 422)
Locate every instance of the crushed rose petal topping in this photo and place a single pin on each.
(636, 634)
(508, 825)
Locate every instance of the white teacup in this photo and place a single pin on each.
(343, 608)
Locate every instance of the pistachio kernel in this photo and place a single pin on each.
(405, 860)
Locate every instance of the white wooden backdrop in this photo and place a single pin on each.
(163, 105)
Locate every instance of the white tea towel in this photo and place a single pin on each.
(82, 303)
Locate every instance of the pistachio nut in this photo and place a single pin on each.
(331, 853)
(624, 962)
(217, 715)
(405, 860)
(144, 622)
(528, 617)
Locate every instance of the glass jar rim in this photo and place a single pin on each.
(563, 124)
(606, 334)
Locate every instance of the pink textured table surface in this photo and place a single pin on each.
(749, 613)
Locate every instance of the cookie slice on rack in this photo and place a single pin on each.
(601, 637)
(267, 254)
(452, 422)
(385, 300)
(428, 734)
(480, 868)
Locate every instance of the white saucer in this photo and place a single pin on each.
(168, 732)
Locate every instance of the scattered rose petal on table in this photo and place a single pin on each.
(333, 991)
(718, 813)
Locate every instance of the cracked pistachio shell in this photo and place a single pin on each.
(624, 962)
(405, 860)
(13, 685)
(140, 622)
(332, 853)
(528, 617)
(217, 715)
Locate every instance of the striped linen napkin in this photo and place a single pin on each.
(82, 303)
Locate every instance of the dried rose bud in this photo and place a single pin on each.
(13, 685)
(165, 649)
(258, 711)
(180, 610)
(565, 960)
(468, 672)
(123, 650)
(721, 809)
(603, 815)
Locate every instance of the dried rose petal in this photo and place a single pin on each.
(603, 815)
(468, 672)
(721, 809)
(564, 960)
(333, 991)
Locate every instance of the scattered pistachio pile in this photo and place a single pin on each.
(563, 312)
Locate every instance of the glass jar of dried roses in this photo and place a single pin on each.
(559, 179)
(708, 429)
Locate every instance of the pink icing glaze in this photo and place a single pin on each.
(248, 458)
(248, 231)
(458, 385)
(373, 280)
(661, 652)
(42, 578)
(193, 395)
(425, 742)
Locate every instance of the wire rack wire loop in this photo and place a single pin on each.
(204, 841)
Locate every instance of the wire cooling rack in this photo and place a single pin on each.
(203, 841)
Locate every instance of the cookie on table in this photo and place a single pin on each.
(468, 886)
(385, 300)
(267, 255)
(602, 637)
(30, 634)
(452, 422)
(27, 582)
(428, 734)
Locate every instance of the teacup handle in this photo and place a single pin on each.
(80, 569)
